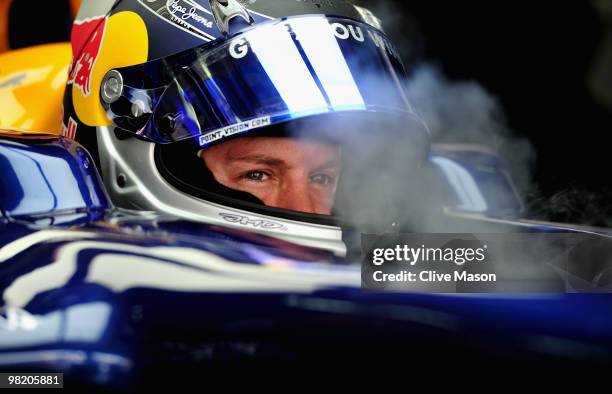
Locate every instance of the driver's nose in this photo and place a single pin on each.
(295, 195)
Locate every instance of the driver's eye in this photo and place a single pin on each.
(256, 176)
(322, 179)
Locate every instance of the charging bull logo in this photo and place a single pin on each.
(86, 40)
(102, 44)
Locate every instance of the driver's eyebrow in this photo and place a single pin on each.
(259, 159)
(328, 165)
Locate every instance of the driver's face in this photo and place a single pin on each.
(300, 175)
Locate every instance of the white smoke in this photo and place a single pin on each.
(382, 187)
(464, 112)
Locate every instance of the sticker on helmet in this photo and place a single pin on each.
(69, 131)
(186, 15)
(234, 129)
(87, 39)
(247, 221)
(121, 41)
(239, 47)
(189, 14)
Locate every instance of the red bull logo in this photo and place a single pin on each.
(87, 37)
(70, 129)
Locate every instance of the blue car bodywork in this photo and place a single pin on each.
(101, 293)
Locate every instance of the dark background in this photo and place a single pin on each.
(544, 61)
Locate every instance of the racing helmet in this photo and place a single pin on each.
(168, 94)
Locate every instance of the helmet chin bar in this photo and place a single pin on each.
(140, 185)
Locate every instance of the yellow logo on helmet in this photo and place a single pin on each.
(120, 40)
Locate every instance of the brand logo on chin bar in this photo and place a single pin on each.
(256, 223)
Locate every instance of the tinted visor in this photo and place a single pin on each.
(275, 72)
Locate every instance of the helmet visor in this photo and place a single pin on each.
(270, 74)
